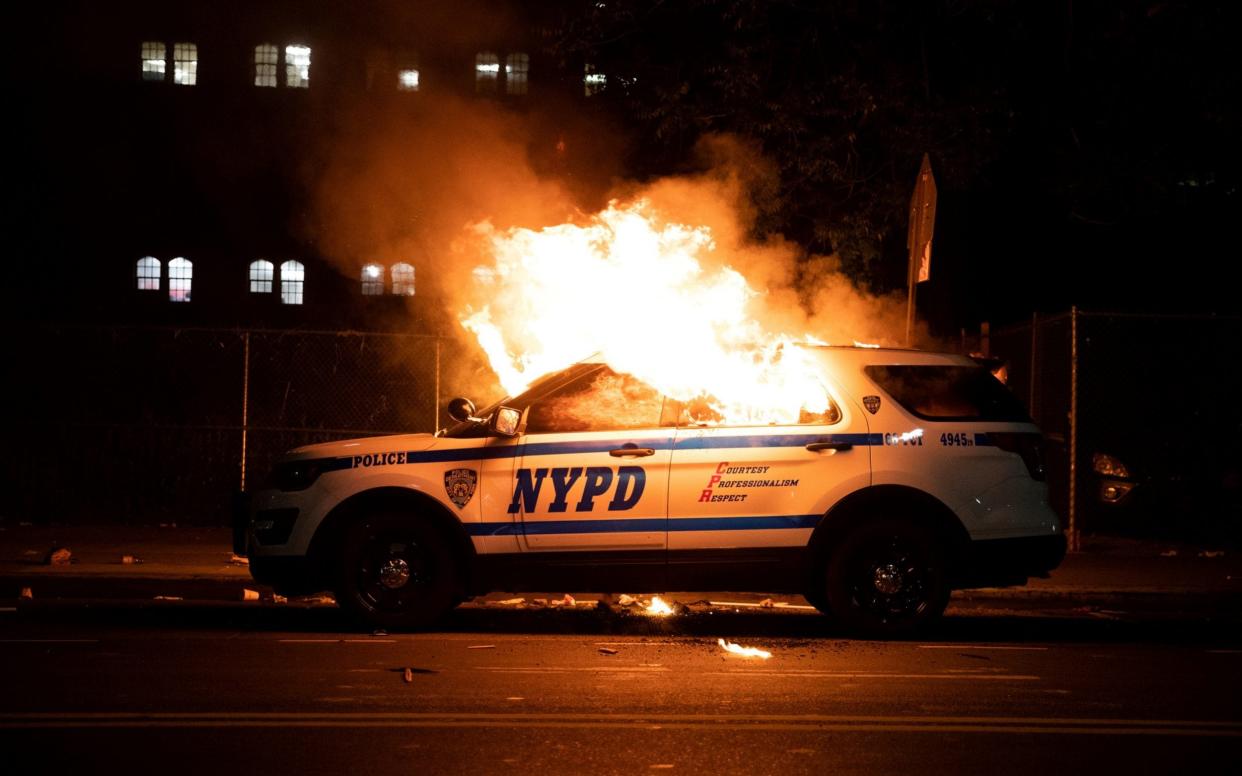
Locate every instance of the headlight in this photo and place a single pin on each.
(1108, 466)
(296, 475)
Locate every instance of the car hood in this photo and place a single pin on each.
(378, 444)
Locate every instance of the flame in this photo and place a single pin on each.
(643, 295)
(738, 649)
(658, 607)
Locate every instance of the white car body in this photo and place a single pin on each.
(692, 508)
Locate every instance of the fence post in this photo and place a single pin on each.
(1034, 364)
(245, 402)
(1073, 430)
(437, 409)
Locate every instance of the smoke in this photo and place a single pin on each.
(433, 183)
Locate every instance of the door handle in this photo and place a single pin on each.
(815, 447)
(628, 450)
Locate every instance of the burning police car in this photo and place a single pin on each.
(914, 474)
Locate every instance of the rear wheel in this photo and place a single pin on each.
(396, 571)
(886, 578)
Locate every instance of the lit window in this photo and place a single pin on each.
(592, 82)
(180, 277)
(265, 60)
(154, 54)
(297, 66)
(517, 68)
(261, 277)
(407, 80)
(403, 279)
(486, 71)
(148, 274)
(185, 64)
(292, 282)
(372, 280)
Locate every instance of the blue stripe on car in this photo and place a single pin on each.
(641, 525)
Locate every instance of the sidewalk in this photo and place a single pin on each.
(198, 564)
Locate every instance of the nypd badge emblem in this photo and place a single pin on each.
(459, 485)
(872, 403)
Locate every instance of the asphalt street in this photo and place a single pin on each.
(234, 688)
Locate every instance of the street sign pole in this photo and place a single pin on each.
(919, 238)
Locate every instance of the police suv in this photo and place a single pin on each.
(923, 474)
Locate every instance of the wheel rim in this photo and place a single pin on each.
(892, 579)
(394, 570)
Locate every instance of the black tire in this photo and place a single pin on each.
(396, 571)
(886, 578)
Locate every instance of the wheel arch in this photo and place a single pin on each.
(417, 505)
(895, 500)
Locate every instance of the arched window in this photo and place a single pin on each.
(297, 66)
(517, 68)
(180, 278)
(154, 55)
(486, 71)
(148, 274)
(403, 279)
(261, 276)
(292, 282)
(185, 64)
(372, 279)
(265, 60)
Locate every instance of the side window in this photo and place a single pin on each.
(601, 400)
(949, 393)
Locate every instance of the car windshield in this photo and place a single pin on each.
(541, 386)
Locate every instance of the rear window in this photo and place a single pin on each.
(949, 392)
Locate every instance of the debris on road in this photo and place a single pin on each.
(379, 632)
(26, 594)
(658, 608)
(1211, 553)
(607, 651)
(766, 603)
(568, 600)
(168, 598)
(738, 649)
(279, 599)
(58, 556)
(408, 676)
(1169, 554)
(249, 595)
(239, 560)
(315, 600)
(481, 646)
(510, 602)
(626, 600)
(130, 560)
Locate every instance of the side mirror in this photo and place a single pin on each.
(461, 410)
(505, 421)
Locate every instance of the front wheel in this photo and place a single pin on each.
(887, 578)
(396, 571)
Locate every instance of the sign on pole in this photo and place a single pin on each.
(919, 238)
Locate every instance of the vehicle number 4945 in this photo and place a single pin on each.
(956, 440)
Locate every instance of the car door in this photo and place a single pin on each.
(742, 488)
(592, 473)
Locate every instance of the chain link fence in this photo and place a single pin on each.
(147, 425)
(1157, 393)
